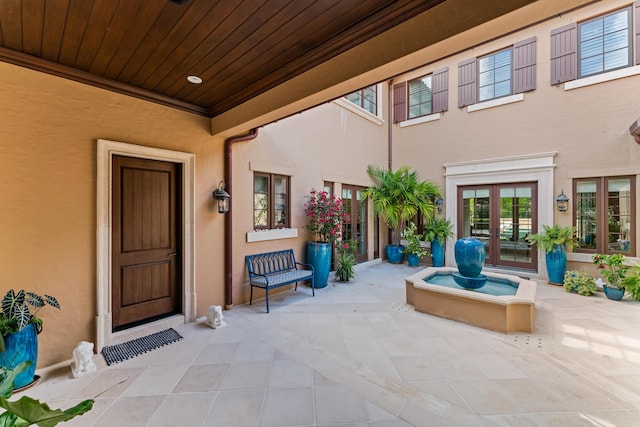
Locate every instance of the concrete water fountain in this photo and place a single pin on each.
(499, 302)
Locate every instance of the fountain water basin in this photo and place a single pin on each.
(511, 308)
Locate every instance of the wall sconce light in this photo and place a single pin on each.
(222, 197)
(634, 130)
(439, 203)
(562, 201)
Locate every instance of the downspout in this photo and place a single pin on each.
(228, 218)
(389, 126)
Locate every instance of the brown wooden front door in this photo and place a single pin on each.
(147, 278)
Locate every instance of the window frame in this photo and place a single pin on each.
(630, 40)
(362, 98)
(409, 105)
(271, 208)
(602, 244)
(511, 75)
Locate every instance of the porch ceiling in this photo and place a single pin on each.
(241, 49)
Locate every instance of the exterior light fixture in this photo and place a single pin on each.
(222, 197)
(634, 130)
(562, 201)
(439, 203)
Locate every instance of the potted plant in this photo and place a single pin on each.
(19, 329)
(555, 240)
(327, 215)
(413, 248)
(631, 282)
(614, 270)
(437, 231)
(580, 282)
(346, 261)
(27, 411)
(397, 197)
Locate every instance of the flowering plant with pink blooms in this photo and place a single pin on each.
(327, 215)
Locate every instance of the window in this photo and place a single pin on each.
(366, 99)
(420, 97)
(509, 71)
(270, 201)
(596, 46)
(605, 214)
(605, 43)
(494, 75)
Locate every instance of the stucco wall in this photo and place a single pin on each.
(327, 143)
(48, 132)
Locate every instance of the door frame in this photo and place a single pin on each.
(538, 167)
(105, 151)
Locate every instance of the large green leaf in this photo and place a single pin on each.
(22, 315)
(52, 301)
(35, 300)
(8, 376)
(10, 301)
(32, 411)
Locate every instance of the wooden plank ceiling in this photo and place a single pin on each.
(147, 48)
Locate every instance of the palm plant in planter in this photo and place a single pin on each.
(346, 260)
(397, 197)
(437, 231)
(19, 329)
(555, 240)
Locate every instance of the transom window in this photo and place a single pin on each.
(605, 214)
(270, 201)
(366, 99)
(494, 75)
(420, 97)
(605, 43)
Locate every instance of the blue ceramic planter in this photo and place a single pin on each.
(556, 264)
(437, 253)
(395, 254)
(614, 294)
(413, 260)
(319, 255)
(469, 253)
(20, 347)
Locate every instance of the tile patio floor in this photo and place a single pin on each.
(356, 355)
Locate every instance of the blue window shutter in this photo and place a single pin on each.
(440, 90)
(400, 102)
(524, 65)
(564, 54)
(467, 82)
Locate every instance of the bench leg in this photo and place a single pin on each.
(251, 295)
(296, 288)
(266, 293)
(313, 287)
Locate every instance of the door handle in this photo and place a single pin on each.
(174, 253)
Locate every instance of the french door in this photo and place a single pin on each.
(356, 229)
(501, 216)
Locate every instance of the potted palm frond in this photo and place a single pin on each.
(397, 197)
(437, 231)
(19, 329)
(555, 240)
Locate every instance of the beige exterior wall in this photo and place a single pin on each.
(327, 143)
(587, 127)
(48, 138)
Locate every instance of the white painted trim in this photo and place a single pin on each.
(274, 234)
(105, 152)
(495, 102)
(420, 120)
(602, 78)
(348, 105)
(527, 168)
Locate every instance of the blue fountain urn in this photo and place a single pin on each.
(469, 254)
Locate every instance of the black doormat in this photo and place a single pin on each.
(127, 350)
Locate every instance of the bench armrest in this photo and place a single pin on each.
(307, 266)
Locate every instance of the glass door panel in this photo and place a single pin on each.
(501, 216)
(356, 229)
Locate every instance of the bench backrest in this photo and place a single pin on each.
(271, 262)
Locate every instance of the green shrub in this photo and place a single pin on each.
(631, 283)
(580, 282)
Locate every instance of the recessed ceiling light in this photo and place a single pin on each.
(194, 79)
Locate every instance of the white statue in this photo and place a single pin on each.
(215, 319)
(82, 362)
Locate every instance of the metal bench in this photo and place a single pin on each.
(274, 269)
